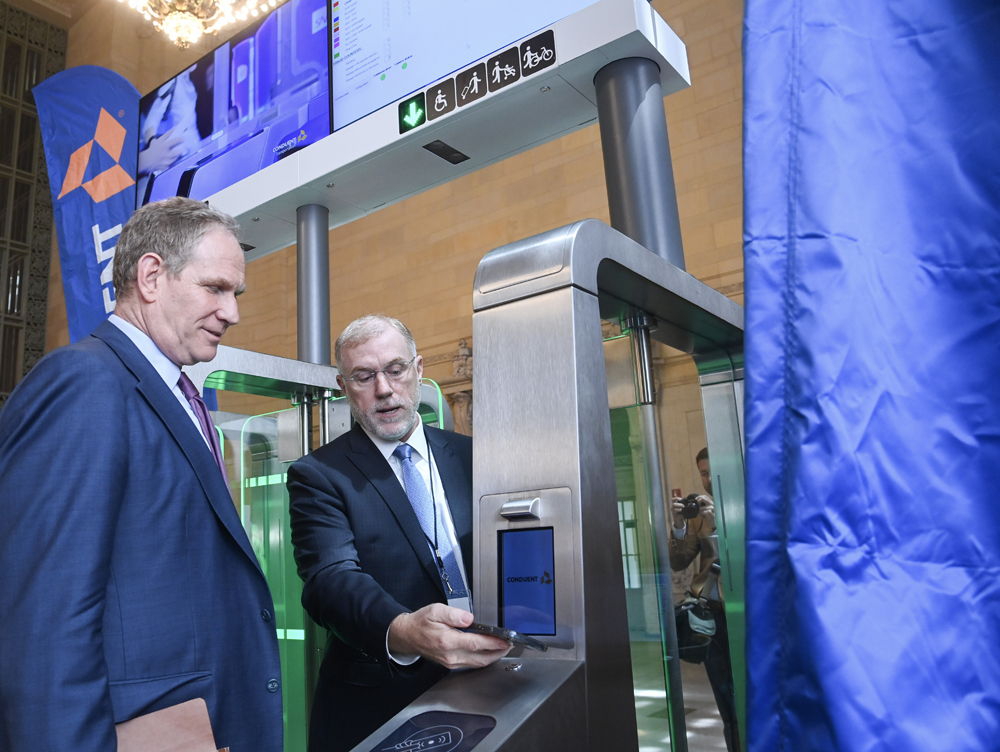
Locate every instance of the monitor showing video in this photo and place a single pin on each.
(252, 101)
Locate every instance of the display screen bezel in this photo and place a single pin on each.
(502, 570)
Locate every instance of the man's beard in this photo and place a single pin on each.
(397, 430)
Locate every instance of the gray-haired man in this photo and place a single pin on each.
(382, 527)
(128, 582)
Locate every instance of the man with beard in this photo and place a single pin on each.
(382, 528)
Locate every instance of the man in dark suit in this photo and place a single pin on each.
(382, 528)
(128, 584)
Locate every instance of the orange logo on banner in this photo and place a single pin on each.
(110, 136)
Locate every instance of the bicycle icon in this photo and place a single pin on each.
(534, 59)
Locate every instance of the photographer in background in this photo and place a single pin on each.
(694, 533)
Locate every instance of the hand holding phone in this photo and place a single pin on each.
(515, 638)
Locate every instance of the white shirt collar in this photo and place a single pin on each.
(417, 440)
(169, 371)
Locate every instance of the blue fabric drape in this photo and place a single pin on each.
(872, 260)
(89, 119)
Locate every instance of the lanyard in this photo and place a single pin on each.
(434, 543)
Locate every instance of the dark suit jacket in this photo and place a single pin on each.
(364, 560)
(127, 583)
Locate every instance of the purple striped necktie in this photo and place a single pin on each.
(190, 391)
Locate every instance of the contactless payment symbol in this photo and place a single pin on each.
(438, 731)
(412, 112)
(438, 738)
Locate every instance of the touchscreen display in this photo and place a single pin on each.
(527, 581)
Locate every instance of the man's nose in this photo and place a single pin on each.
(230, 311)
(383, 386)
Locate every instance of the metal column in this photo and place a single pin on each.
(313, 255)
(313, 277)
(637, 167)
(639, 325)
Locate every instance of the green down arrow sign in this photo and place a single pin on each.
(412, 112)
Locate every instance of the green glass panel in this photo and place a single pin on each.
(262, 502)
(641, 583)
(431, 414)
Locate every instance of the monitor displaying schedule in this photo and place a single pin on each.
(383, 50)
(527, 581)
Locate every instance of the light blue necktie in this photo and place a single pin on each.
(423, 505)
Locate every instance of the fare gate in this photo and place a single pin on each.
(546, 522)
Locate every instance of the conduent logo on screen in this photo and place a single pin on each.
(546, 579)
(290, 144)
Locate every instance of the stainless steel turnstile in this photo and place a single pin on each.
(544, 465)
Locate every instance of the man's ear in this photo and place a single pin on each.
(419, 366)
(149, 277)
(341, 384)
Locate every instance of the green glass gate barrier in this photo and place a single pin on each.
(644, 575)
(703, 403)
(262, 502)
(434, 410)
(721, 381)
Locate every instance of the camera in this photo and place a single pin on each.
(691, 507)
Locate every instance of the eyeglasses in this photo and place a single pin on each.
(393, 372)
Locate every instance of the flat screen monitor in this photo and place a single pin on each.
(383, 51)
(527, 581)
(253, 100)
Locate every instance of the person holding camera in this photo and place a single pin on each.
(694, 533)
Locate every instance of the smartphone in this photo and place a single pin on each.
(515, 638)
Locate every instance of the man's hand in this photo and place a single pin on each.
(676, 511)
(432, 632)
(706, 508)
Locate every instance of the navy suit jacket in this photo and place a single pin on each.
(364, 559)
(127, 583)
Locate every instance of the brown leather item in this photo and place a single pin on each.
(180, 728)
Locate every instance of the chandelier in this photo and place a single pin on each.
(184, 21)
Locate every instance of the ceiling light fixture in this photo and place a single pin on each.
(185, 21)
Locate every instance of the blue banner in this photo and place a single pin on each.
(872, 260)
(89, 119)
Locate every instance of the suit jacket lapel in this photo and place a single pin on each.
(367, 458)
(180, 426)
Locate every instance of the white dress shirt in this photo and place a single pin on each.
(169, 371)
(423, 460)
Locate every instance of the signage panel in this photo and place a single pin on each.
(384, 51)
